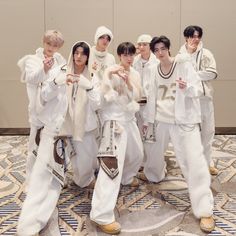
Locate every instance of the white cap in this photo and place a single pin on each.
(144, 38)
(102, 30)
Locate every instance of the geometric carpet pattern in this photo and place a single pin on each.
(145, 203)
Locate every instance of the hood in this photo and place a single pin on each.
(70, 63)
(102, 30)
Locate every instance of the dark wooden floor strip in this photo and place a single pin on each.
(25, 131)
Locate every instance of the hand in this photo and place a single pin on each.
(95, 65)
(120, 71)
(182, 84)
(48, 63)
(72, 78)
(191, 45)
(144, 129)
(123, 75)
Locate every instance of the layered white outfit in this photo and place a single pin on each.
(177, 115)
(33, 75)
(124, 145)
(45, 181)
(81, 123)
(102, 59)
(144, 69)
(204, 63)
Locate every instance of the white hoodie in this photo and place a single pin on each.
(81, 116)
(103, 59)
(32, 73)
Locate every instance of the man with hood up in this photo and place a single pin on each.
(81, 122)
(100, 58)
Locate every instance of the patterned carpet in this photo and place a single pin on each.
(150, 209)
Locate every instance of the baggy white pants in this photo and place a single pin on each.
(146, 148)
(43, 191)
(207, 128)
(154, 168)
(129, 155)
(85, 162)
(189, 153)
(31, 156)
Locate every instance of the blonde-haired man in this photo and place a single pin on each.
(35, 69)
(45, 78)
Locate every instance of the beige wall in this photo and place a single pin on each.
(23, 23)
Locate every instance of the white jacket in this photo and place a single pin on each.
(144, 71)
(119, 103)
(103, 61)
(205, 65)
(32, 73)
(52, 104)
(186, 101)
(81, 116)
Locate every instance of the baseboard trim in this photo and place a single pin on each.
(225, 130)
(25, 131)
(14, 131)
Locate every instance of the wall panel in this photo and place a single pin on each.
(22, 24)
(13, 104)
(22, 27)
(132, 18)
(78, 20)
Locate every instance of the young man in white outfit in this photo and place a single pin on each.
(205, 65)
(142, 63)
(100, 58)
(175, 107)
(81, 122)
(34, 70)
(50, 106)
(120, 153)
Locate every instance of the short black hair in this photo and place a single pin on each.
(126, 48)
(162, 39)
(189, 31)
(86, 49)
